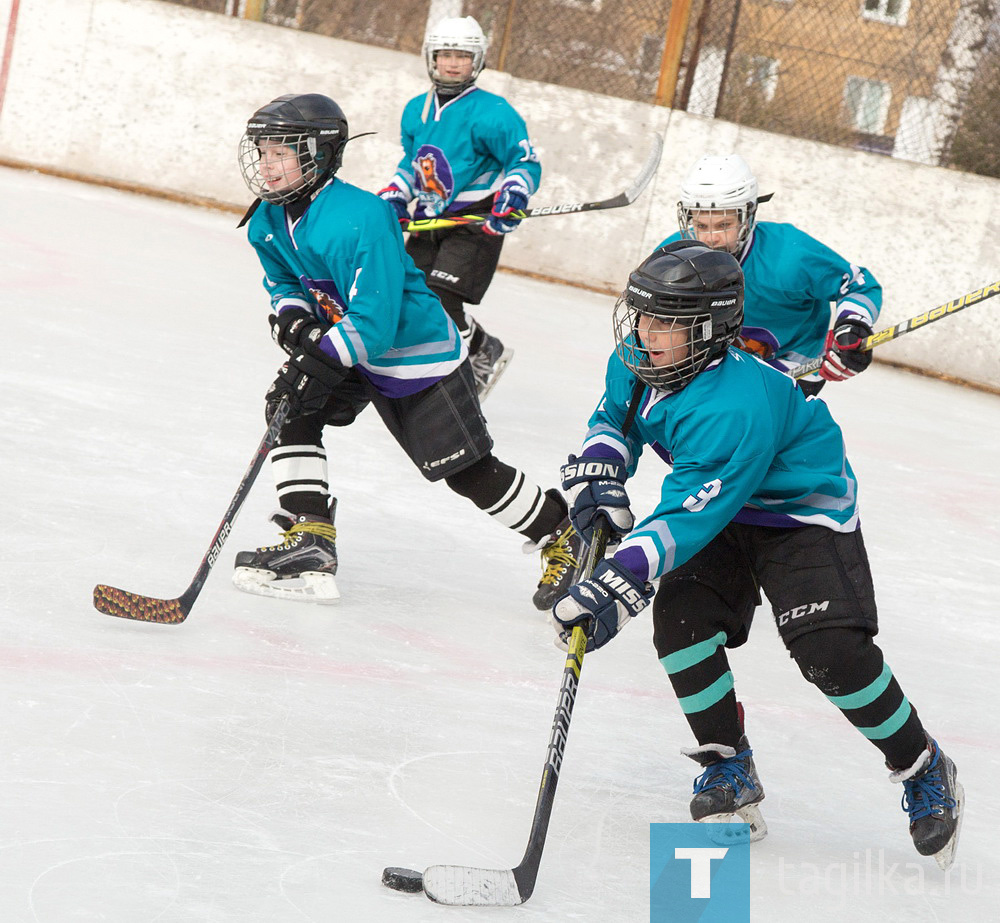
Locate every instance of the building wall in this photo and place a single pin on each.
(156, 95)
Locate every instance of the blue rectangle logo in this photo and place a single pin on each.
(699, 872)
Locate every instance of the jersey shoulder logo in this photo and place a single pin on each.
(697, 502)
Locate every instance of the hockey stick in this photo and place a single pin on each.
(906, 326)
(623, 198)
(112, 601)
(462, 886)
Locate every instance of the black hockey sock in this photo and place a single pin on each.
(509, 497)
(847, 666)
(301, 479)
(455, 308)
(703, 684)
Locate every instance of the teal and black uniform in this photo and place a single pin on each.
(757, 494)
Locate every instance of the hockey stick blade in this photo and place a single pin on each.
(623, 198)
(475, 887)
(911, 324)
(125, 605)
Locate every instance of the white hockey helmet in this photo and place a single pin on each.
(719, 184)
(460, 33)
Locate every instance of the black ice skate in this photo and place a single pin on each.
(301, 567)
(728, 791)
(561, 553)
(933, 798)
(488, 363)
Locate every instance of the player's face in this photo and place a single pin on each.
(719, 229)
(453, 66)
(279, 166)
(666, 341)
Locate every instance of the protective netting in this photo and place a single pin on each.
(905, 78)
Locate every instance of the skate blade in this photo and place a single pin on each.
(498, 370)
(946, 856)
(309, 587)
(749, 815)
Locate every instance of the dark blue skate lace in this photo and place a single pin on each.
(925, 795)
(731, 772)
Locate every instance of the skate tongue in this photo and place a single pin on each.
(709, 753)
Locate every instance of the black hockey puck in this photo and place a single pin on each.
(403, 880)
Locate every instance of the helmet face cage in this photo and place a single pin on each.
(745, 214)
(314, 160)
(695, 345)
(455, 35)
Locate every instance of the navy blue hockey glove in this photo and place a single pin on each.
(399, 201)
(844, 357)
(511, 197)
(611, 597)
(596, 487)
(292, 326)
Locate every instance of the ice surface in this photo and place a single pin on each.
(265, 760)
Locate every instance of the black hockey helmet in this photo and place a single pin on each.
(311, 125)
(684, 286)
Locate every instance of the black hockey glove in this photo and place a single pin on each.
(844, 357)
(609, 599)
(292, 326)
(307, 381)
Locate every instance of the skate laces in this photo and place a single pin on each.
(733, 772)
(558, 557)
(291, 536)
(925, 794)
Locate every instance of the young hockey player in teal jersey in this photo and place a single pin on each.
(465, 151)
(360, 326)
(791, 278)
(760, 496)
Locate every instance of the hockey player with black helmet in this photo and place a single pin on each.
(359, 325)
(791, 279)
(760, 496)
(465, 151)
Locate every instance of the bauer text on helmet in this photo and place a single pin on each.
(681, 309)
(718, 202)
(292, 146)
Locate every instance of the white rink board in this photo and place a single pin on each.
(155, 94)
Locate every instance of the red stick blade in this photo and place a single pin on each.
(124, 605)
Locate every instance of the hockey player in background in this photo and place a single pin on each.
(465, 151)
(761, 496)
(791, 278)
(360, 326)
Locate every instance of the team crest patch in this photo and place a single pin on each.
(435, 180)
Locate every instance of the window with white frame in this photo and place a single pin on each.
(763, 74)
(867, 103)
(889, 11)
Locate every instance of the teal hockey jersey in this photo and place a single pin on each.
(344, 261)
(461, 152)
(745, 445)
(791, 280)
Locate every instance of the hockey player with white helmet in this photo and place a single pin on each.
(465, 151)
(791, 278)
(360, 326)
(759, 496)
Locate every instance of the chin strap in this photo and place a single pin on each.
(249, 212)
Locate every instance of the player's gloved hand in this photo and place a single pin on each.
(596, 487)
(611, 597)
(511, 197)
(844, 358)
(399, 201)
(305, 393)
(292, 326)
